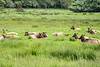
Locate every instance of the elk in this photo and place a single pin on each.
(89, 40)
(91, 31)
(37, 35)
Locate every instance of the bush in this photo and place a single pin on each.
(85, 5)
(36, 3)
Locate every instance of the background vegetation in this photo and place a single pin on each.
(74, 5)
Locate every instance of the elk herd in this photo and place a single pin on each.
(40, 35)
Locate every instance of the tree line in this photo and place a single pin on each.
(74, 5)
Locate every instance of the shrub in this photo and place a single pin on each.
(85, 5)
(36, 3)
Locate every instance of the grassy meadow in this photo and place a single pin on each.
(52, 51)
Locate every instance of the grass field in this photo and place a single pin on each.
(52, 51)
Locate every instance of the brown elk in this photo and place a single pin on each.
(88, 40)
(91, 31)
(38, 35)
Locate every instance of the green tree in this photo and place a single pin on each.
(84, 5)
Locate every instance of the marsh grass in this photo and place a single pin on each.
(74, 54)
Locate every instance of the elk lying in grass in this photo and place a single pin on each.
(9, 35)
(89, 40)
(34, 35)
(4, 36)
(91, 31)
(74, 37)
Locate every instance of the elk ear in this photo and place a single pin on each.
(26, 33)
(44, 32)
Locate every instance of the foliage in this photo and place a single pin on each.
(36, 3)
(85, 5)
(74, 5)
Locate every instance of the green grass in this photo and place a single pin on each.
(52, 51)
